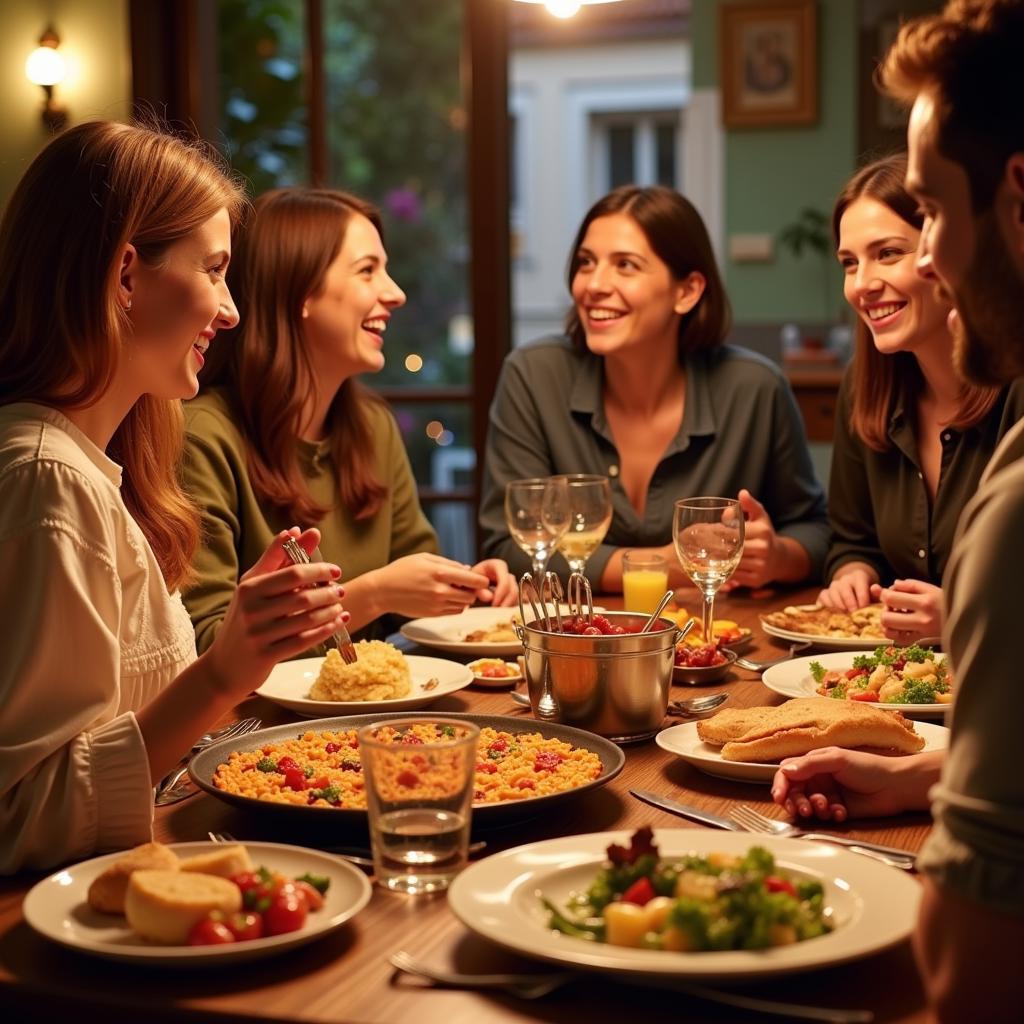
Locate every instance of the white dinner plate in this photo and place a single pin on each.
(846, 643)
(448, 632)
(289, 683)
(683, 741)
(56, 907)
(794, 679)
(874, 906)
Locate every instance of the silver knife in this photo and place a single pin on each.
(666, 803)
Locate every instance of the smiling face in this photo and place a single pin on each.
(966, 257)
(177, 306)
(625, 294)
(345, 319)
(877, 251)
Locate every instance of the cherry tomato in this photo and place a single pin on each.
(245, 925)
(314, 899)
(641, 892)
(209, 932)
(256, 889)
(295, 778)
(287, 910)
(773, 883)
(867, 696)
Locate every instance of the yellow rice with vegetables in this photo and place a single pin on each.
(324, 769)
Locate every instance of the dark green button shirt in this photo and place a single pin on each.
(741, 428)
(879, 506)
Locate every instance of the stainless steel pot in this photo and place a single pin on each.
(615, 686)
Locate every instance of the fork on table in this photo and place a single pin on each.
(175, 786)
(753, 821)
(761, 666)
(536, 986)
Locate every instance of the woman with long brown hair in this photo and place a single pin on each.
(645, 391)
(113, 249)
(284, 432)
(911, 438)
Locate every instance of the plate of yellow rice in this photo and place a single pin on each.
(382, 679)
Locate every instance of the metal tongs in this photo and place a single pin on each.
(341, 639)
(581, 600)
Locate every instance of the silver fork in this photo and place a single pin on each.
(172, 788)
(298, 555)
(760, 666)
(536, 986)
(754, 821)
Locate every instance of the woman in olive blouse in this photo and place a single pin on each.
(644, 391)
(283, 432)
(911, 439)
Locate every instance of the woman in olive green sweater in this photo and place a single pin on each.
(284, 433)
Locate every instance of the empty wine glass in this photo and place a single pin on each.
(590, 512)
(537, 514)
(708, 535)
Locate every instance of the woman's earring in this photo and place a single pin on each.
(128, 306)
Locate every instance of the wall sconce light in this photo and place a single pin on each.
(45, 67)
(566, 8)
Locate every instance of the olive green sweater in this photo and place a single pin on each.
(237, 528)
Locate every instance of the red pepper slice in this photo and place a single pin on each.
(641, 892)
(868, 696)
(773, 883)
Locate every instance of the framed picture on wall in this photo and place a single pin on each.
(768, 63)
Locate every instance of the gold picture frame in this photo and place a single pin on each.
(768, 63)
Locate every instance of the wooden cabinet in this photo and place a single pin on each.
(816, 390)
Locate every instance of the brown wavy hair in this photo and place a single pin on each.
(676, 233)
(878, 378)
(970, 55)
(279, 260)
(94, 189)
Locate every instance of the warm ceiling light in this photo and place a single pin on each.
(45, 68)
(566, 8)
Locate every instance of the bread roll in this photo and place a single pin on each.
(164, 906)
(805, 724)
(107, 891)
(225, 862)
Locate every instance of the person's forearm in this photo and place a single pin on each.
(363, 600)
(793, 564)
(916, 775)
(174, 718)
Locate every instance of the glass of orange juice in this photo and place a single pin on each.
(644, 580)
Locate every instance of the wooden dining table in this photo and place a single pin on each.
(345, 976)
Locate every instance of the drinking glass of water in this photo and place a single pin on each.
(419, 793)
(708, 535)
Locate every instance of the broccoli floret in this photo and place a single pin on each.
(692, 917)
(817, 670)
(917, 691)
(865, 661)
(266, 764)
(918, 654)
(757, 860)
(839, 691)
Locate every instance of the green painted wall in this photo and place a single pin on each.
(772, 174)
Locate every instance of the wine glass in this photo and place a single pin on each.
(537, 514)
(708, 535)
(590, 510)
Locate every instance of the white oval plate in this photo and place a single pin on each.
(495, 682)
(683, 741)
(794, 679)
(290, 681)
(56, 907)
(848, 643)
(875, 906)
(447, 632)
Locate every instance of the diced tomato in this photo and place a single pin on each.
(351, 766)
(641, 892)
(487, 767)
(547, 760)
(332, 748)
(245, 925)
(773, 883)
(209, 932)
(867, 696)
(295, 778)
(852, 673)
(411, 738)
(321, 783)
(407, 778)
(499, 744)
(286, 763)
(526, 784)
(287, 910)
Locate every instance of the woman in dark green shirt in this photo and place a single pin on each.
(911, 439)
(284, 432)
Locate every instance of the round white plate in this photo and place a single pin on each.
(683, 741)
(56, 907)
(290, 681)
(875, 906)
(448, 632)
(794, 679)
(846, 643)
